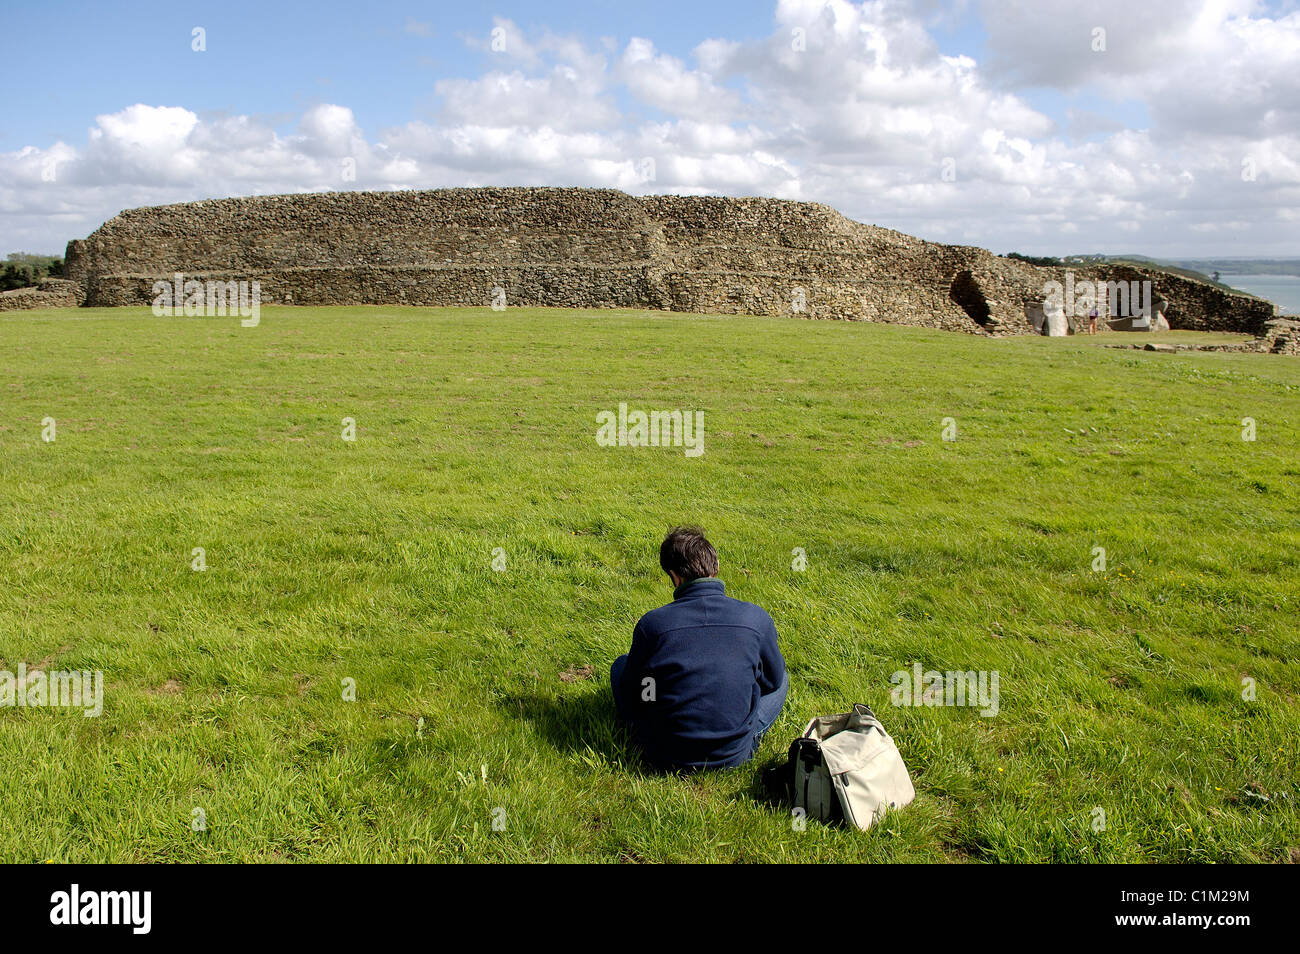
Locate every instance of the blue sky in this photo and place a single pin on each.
(276, 59)
(1051, 145)
(381, 58)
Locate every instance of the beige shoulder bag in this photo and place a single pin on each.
(846, 767)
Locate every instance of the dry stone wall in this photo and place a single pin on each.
(1194, 305)
(586, 248)
(51, 293)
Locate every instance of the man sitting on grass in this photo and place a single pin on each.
(704, 678)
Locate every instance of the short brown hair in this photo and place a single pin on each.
(687, 553)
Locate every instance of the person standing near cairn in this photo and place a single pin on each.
(1092, 321)
(1158, 320)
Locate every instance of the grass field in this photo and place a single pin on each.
(372, 560)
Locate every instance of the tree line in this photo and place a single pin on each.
(23, 269)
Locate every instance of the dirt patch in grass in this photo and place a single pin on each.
(577, 673)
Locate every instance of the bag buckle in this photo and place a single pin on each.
(809, 752)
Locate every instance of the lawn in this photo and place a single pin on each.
(1126, 727)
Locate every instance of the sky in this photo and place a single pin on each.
(1168, 128)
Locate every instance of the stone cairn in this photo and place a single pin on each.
(593, 248)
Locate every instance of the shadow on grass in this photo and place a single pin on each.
(578, 723)
(771, 784)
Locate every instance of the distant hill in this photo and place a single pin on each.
(1245, 266)
(1201, 268)
(1145, 261)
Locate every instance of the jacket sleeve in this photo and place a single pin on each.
(769, 654)
(627, 694)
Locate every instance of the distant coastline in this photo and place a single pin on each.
(1281, 290)
(1273, 279)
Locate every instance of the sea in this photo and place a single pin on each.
(1281, 290)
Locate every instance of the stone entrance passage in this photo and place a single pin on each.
(966, 294)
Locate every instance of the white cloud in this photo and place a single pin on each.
(1197, 65)
(853, 105)
(563, 99)
(666, 83)
(329, 130)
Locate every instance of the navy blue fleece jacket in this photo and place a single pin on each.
(711, 657)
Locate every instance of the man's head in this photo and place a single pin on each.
(686, 555)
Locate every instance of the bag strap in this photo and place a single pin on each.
(809, 752)
(792, 771)
(869, 719)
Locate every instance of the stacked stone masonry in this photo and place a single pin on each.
(51, 293)
(594, 248)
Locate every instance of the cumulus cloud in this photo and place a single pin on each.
(669, 85)
(850, 104)
(329, 130)
(562, 99)
(1197, 65)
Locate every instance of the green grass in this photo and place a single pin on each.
(329, 560)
